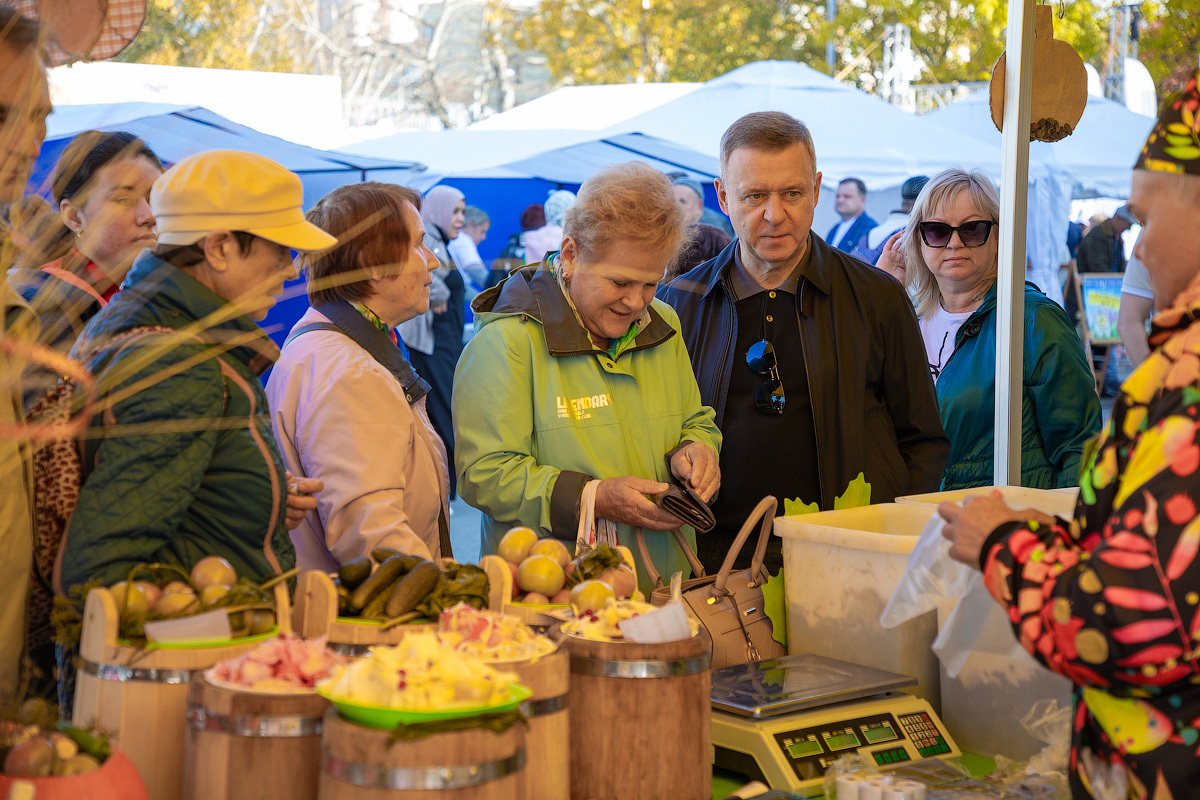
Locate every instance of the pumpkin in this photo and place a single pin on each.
(116, 779)
(1059, 84)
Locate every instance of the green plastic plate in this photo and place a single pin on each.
(541, 605)
(207, 643)
(388, 718)
(375, 623)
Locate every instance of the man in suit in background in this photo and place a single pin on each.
(856, 223)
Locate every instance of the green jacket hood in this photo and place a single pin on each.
(533, 292)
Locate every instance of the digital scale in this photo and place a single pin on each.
(784, 721)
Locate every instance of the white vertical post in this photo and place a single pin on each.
(1014, 201)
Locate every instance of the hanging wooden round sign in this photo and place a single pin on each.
(1059, 84)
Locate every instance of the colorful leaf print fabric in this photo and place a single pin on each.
(1112, 599)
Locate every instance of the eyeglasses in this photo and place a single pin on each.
(770, 398)
(972, 233)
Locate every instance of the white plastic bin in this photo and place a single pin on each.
(995, 688)
(1058, 502)
(840, 569)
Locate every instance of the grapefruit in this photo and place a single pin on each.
(541, 574)
(515, 545)
(591, 595)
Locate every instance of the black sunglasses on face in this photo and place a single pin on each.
(973, 233)
(770, 398)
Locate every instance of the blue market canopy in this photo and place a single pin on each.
(175, 132)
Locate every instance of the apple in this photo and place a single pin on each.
(213, 570)
(64, 746)
(535, 597)
(212, 593)
(174, 602)
(151, 591)
(179, 587)
(77, 765)
(512, 568)
(621, 579)
(591, 595)
(515, 545)
(261, 621)
(553, 548)
(571, 566)
(129, 597)
(562, 598)
(541, 574)
(32, 759)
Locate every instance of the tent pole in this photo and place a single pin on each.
(1014, 200)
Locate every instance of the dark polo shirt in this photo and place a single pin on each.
(762, 453)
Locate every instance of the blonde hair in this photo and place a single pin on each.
(630, 202)
(937, 194)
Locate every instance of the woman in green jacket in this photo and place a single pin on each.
(576, 373)
(950, 253)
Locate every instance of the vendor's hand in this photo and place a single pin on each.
(624, 500)
(300, 500)
(968, 526)
(697, 465)
(893, 259)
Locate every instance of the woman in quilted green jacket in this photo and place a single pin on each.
(181, 462)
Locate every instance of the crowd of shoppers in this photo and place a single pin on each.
(781, 364)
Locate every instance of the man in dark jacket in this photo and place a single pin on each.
(811, 358)
(183, 463)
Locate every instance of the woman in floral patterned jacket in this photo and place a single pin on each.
(1111, 599)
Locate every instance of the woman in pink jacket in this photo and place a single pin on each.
(347, 407)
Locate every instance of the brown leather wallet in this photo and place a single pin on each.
(683, 502)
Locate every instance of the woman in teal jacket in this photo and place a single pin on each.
(950, 250)
(576, 373)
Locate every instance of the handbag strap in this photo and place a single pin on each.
(377, 344)
(688, 553)
(764, 514)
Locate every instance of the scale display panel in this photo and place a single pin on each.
(769, 721)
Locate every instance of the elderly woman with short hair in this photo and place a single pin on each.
(576, 373)
(347, 408)
(948, 256)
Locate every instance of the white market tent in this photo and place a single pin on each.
(503, 171)
(586, 108)
(1097, 158)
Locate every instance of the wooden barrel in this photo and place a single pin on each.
(140, 696)
(245, 745)
(642, 721)
(358, 764)
(547, 742)
(315, 615)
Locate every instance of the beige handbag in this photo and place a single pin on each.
(729, 604)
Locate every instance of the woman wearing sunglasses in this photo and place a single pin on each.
(949, 261)
(577, 374)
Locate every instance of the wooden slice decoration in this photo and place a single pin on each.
(1059, 84)
(85, 30)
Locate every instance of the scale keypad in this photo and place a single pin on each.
(924, 734)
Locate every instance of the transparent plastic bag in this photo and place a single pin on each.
(931, 580)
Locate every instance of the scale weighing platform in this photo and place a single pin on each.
(784, 721)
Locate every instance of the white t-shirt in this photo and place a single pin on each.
(1136, 281)
(841, 229)
(938, 330)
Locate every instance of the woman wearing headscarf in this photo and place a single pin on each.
(435, 338)
(547, 238)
